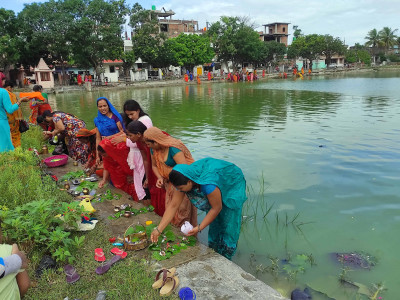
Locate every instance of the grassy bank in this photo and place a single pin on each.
(29, 203)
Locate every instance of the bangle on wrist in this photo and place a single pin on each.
(157, 229)
(198, 227)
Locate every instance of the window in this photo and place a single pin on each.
(45, 76)
(164, 27)
(112, 69)
(284, 29)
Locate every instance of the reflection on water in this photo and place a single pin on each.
(326, 148)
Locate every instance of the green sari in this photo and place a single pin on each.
(224, 231)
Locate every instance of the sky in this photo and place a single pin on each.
(350, 20)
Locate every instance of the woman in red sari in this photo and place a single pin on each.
(134, 132)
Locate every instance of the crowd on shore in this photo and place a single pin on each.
(127, 151)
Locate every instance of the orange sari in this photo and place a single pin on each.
(13, 121)
(186, 211)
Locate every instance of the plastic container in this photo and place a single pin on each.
(186, 227)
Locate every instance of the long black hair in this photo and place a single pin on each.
(177, 178)
(132, 105)
(136, 127)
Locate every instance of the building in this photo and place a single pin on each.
(171, 27)
(44, 75)
(278, 32)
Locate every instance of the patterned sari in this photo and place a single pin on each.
(13, 121)
(77, 150)
(186, 211)
(224, 231)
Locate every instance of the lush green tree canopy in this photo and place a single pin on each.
(234, 40)
(190, 50)
(9, 40)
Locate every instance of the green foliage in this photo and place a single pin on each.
(86, 32)
(190, 50)
(234, 40)
(388, 37)
(165, 246)
(308, 47)
(394, 57)
(33, 138)
(373, 39)
(9, 40)
(270, 51)
(73, 175)
(358, 56)
(312, 46)
(148, 40)
(22, 181)
(36, 223)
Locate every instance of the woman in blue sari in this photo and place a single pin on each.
(217, 187)
(109, 123)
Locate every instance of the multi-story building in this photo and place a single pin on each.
(278, 32)
(173, 28)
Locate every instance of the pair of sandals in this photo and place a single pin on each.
(167, 283)
(100, 257)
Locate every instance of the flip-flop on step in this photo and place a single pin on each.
(107, 265)
(119, 252)
(159, 282)
(71, 274)
(170, 284)
(99, 255)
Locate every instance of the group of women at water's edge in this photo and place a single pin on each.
(147, 163)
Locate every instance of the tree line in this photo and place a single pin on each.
(87, 32)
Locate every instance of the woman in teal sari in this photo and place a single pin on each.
(217, 187)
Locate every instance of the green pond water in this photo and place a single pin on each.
(327, 149)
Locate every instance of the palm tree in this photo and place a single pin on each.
(388, 37)
(373, 41)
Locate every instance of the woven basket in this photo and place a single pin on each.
(140, 240)
(60, 160)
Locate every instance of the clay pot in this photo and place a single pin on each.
(127, 214)
(85, 191)
(67, 186)
(116, 209)
(75, 163)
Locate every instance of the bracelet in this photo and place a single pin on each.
(198, 227)
(157, 230)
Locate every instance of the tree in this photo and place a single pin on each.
(297, 32)
(147, 39)
(128, 60)
(358, 55)
(387, 37)
(373, 39)
(96, 32)
(234, 40)
(331, 46)
(271, 51)
(308, 47)
(189, 50)
(9, 40)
